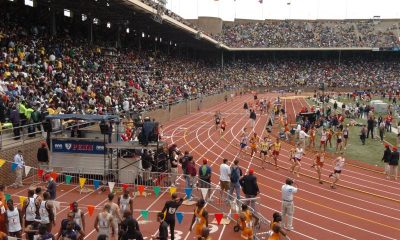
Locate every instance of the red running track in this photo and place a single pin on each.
(364, 206)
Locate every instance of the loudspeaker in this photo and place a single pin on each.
(104, 129)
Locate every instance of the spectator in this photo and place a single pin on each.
(51, 187)
(236, 174)
(288, 189)
(250, 188)
(163, 228)
(205, 177)
(393, 163)
(191, 171)
(169, 212)
(387, 154)
(43, 156)
(19, 162)
(224, 173)
(363, 134)
(370, 123)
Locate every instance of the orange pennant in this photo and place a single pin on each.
(54, 175)
(141, 189)
(90, 209)
(124, 186)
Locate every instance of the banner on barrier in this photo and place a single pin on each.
(77, 146)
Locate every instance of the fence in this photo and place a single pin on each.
(145, 182)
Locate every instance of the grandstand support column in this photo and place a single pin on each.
(222, 59)
(91, 31)
(118, 40)
(340, 56)
(53, 21)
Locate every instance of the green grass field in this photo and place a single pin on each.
(370, 153)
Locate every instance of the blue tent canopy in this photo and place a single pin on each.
(87, 117)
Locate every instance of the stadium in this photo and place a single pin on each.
(199, 119)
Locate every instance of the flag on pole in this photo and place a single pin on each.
(179, 216)
(172, 190)
(22, 200)
(204, 192)
(145, 214)
(157, 190)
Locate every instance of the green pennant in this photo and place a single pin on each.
(145, 214)
(157, 190)
(8, 196)
(68, 179)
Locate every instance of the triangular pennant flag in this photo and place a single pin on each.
(8, 196)
(22, 200)
(96, 184)
(2, 162)
(40, 172)
(188, 192)
(179, 216)
(14, 166)
(204, 192)
(27, 170)
(140, 189)
(68, 179)
(219, 216)
(156, 190)
(111, 185)
(90, 209)
(71, 206)
(172, 190)
(82, 182)
(124, 186)
(54, 175)
(56, 204)
(145, 214)
(235, 216)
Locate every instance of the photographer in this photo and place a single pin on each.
(287, 203)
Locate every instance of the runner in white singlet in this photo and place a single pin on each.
(29, 209)
(14, 220)
(104, 222)
(125, 203)
(79, 215)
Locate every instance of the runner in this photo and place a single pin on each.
(319, 164)
(125, 202)
(339, 163)
(264, 149)
(276, 147)
(312, 137)
(323, 139)
(297, 159)
(243, 144)
(200, 217)
(275, 232)
(114, 211)
(329, 137)
(169, 212)
(13, 220)
(346, 133)
(104, 221)
(246, 222)
(46, 212)
(79, 215)
(217, 117)
(253, 144)
(223, 126)
(339, 139)
(29, 209)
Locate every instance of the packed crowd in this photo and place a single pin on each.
(299, 34)
(59, 74)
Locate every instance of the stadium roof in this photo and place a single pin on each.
(136, 15)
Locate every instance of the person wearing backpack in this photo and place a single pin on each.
(235, 175)
(205, 177)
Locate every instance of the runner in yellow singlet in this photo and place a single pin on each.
(276, 147)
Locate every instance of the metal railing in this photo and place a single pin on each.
(139, 181)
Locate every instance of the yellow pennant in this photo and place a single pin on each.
(172, 190)
(2, 162)
(82, 182)
(22, 200)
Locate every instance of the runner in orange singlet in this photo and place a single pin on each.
(253, 144)
(276, 147)
(246, 223)
(200, 218)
